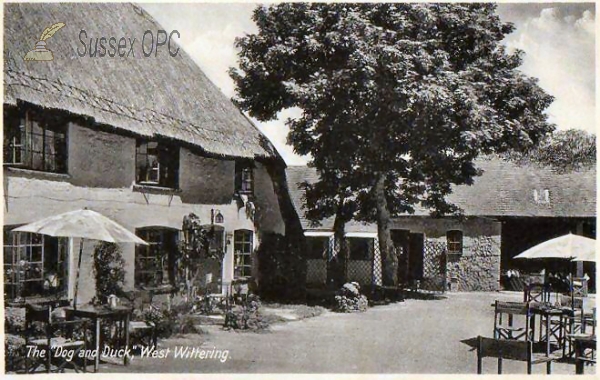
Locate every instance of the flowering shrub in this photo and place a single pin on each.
(349, 299)
(164, 321)
(245, 316)
(14, 352)
(14, 320)
(169, 322)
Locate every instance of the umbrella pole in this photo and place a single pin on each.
(572, 286)
(78, 270)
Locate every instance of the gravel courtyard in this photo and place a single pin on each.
(414, 337)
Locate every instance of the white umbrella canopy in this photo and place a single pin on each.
(587, 256)
(570, 247)
(84, 224)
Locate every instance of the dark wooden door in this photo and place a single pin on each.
(400, 239)
(416, 247)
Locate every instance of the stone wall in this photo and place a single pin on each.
(478, 268)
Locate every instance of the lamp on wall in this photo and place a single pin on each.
(216, 217)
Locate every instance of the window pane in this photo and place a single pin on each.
(242, 252)
(36, 146)
(35, 140)
(25, 151)
(454, 241)
(360, 248)
(49, 150)
(152, 262)
(314, 248)
(36, 253)
(157, 163)
(246, 260)
(244, 177)
(12, 140)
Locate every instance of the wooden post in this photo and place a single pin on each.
(530, 353)
(78, 271)
(479, 359)
(579, 268)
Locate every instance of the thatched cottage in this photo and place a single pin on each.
(509, 208)
(144, 140)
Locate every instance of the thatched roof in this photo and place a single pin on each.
(149, 96)
(504, 190)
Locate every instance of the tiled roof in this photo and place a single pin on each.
(504, 190)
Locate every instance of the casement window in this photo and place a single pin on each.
(35, 140)
(317, 247)
(157, 163)
(360, 248)
(454, 241)
(155, 262)
(244, 177)
(34, 265)
(243, 246)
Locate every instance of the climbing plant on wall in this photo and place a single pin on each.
(108, 271)
(192, 249)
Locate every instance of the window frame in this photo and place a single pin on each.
(24, 129)
(163, 256)
(16, 283)
(243, 258)
(166, 171)
(317, 247)
(455, 242)
(244, 177)
(351, 243)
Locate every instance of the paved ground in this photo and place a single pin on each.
(414, 337)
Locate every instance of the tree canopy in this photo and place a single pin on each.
(563, 151)
(396, 100)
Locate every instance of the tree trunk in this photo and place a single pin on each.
(389, 260)
(339, 263)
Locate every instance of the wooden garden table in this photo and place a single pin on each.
(96, 314)
(547, 315)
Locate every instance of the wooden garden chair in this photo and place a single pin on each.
(142, 333)
(537, 292)
(512, 350)
(59, 337)
(504, 321)
(577, 323)
(579, 287)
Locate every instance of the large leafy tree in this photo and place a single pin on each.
(396, 101)
(562, 151)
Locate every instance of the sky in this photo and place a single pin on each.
(558, 40)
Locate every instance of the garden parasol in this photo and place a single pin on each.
(567, 247)
(587, 256)
(570, 247)
(84, 224)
